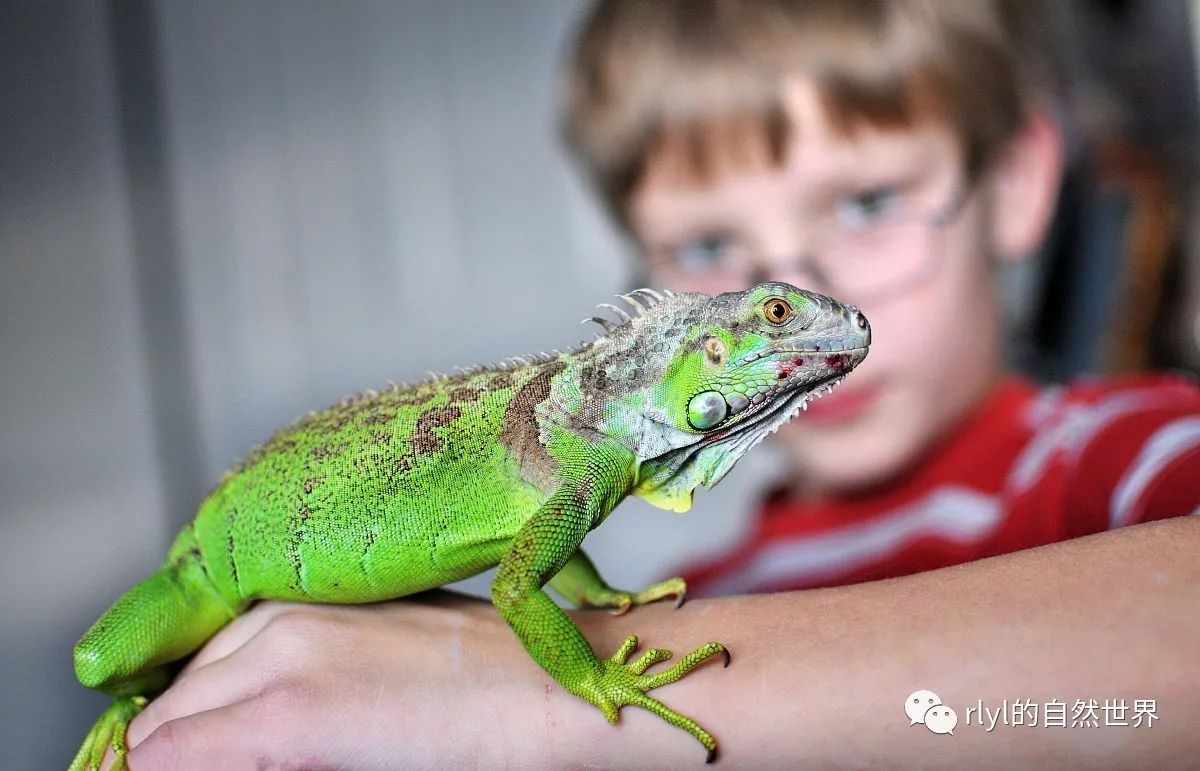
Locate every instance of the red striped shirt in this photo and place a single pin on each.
(1030, 467)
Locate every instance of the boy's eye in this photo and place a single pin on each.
(703, 253)
(866, 207)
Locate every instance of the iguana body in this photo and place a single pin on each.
(393, 493)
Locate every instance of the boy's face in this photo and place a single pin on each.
(885, 220)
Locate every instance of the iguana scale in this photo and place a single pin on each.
(387, 494)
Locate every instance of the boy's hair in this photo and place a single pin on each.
(691, 75)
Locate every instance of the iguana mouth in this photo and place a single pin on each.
(755, 356)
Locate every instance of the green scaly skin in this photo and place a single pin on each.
(389, 494)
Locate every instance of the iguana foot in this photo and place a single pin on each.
(109, 731)
(621, 602)
(615, 683)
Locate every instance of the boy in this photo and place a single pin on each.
(889, 154)
(898, 160)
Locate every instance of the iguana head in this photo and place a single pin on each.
(693, 382)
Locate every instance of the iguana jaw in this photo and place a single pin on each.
(668, 481)
(777, 407)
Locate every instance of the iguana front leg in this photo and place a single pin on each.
(543, 546)
(581, 585)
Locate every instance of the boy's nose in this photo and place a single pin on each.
(795, 274)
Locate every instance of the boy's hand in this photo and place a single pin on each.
(437, 682)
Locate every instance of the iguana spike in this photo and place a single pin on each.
(651, 297)
(634, 303)
(667, 293)
(621, 312)
(604, 323)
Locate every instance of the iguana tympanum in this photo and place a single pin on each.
(391, 493)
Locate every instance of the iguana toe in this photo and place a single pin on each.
(108, 731)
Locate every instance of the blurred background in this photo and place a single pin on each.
(215, 216)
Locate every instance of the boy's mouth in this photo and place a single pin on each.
(842, 405)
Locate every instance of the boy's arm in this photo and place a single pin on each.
(818, 678)
(824, 674)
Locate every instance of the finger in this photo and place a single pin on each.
(228, 737)
(247, 626)
(239, 631)
(240, 675)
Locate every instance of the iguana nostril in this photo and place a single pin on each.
(860, 320)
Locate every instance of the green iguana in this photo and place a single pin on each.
(388, 494)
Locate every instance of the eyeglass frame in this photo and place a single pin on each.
(809, 265)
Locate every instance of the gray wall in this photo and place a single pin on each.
(81, 504)
(215, 216)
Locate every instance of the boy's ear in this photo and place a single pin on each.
(1023, 183)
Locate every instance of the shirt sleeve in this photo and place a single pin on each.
(1142, 465)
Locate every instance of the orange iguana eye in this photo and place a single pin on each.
(777, 310)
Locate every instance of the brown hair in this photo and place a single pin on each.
(647, 72)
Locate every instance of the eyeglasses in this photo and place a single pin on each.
(870, 249)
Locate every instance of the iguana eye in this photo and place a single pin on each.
(777, 310)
